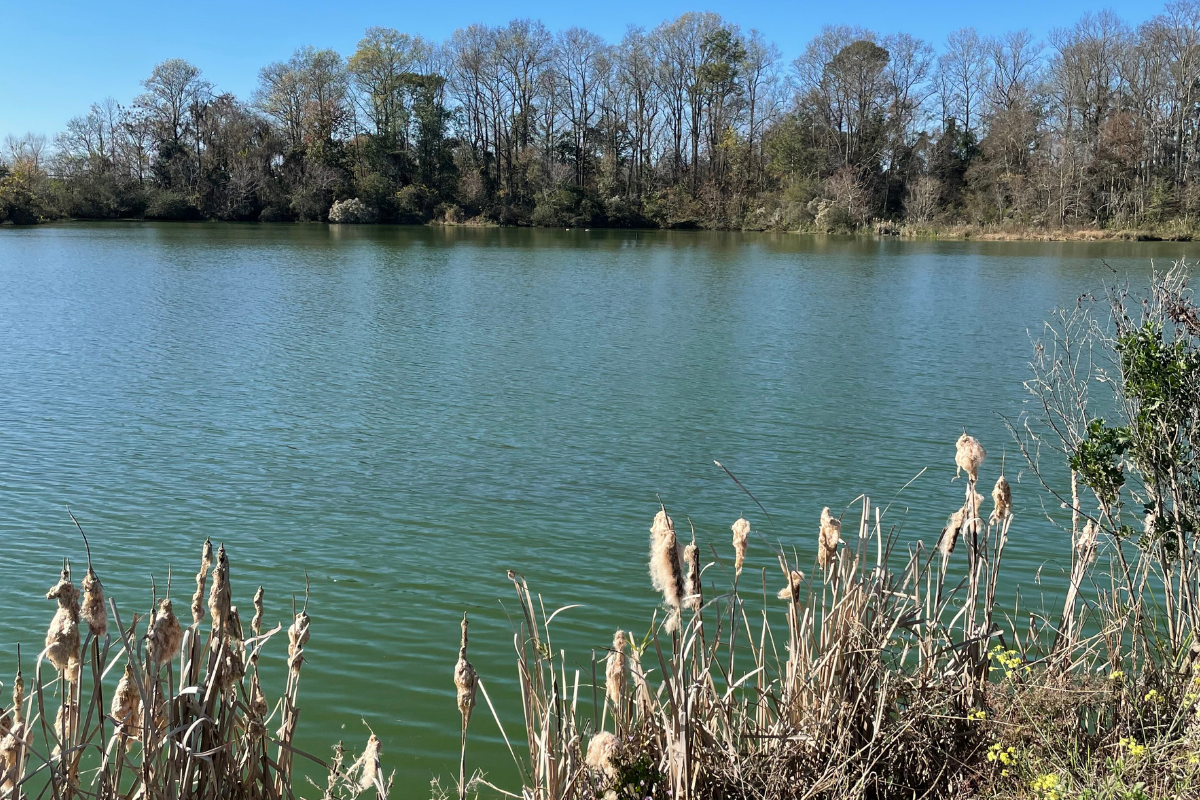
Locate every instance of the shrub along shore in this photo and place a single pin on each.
(882, 668)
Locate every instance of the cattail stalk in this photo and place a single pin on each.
(466, 683)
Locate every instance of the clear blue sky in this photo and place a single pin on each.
(56, 58)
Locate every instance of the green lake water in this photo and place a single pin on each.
(409, 412)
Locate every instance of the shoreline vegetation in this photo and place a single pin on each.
(696, 123)
(884, 668)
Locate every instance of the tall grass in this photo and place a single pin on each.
(891, 672)
(189, 716)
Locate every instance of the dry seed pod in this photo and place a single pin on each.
(950, 533)
(18, 695)
(616, 671)
(666, 570)
(830, 537)
(206, 561)
(125, 703)
(465, 679)
(1086, 544)
(1002, 499)
(602, 752)
(164, 635)
(741, 538)
(694, 592)
(66, 724)
(92, 610)
(298, 633)
(62, 638)
(219, 596)
(256, 623)
(792, 590)
(367, 765)
(969, 455)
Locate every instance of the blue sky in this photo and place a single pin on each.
(56, 58)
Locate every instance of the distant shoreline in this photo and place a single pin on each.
(881, 230)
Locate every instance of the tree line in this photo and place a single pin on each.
(695, 123)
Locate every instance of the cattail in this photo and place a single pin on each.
(66, 725)
(694, 596)
(792, 590)
(256, 623)
(62, 638)
(206, 560)
(666, 571)
(125, 702)
(15, 737)
(298, 633)
(92, 610)
(950, 532)
(616, 672)
(602, 753)
(1086, 543)
(164, 634)
(219, 596)
(830, 537)
(969, 455)
(233, 669)
(1002, 499)
(741, 537)
(18, 694)
(466, 681)
(367, 766)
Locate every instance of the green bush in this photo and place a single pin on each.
(171, 206)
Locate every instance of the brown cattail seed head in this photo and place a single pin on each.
(1002, 498)
(164, 635)
(466, 681)
(616, 671)
(666, 569)
(62, 637)
(969, 455)
(694, 592)
(92, 610)
(951, 531)
(792, 590)
(219, 595)
(18, 696)
(124, 707)
(741, 538)
(297, 637)
(206, 561)
(602, 753)
(830, 537)
(66, 724)
(256, 623)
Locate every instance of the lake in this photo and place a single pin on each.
(408, 412)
